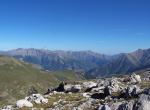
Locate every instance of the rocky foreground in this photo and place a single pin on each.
(122, 93)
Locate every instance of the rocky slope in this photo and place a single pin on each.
(118, 93)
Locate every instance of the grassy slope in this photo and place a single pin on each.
(17, 77)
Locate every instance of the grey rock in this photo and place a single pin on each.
(131, 91)
(104, 107)
(143, 103)
(126, 106)
(147, 91)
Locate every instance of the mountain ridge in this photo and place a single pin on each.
(89, 62)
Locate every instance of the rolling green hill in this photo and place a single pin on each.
(17, 77)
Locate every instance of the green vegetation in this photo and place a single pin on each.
(67, 75)
(17, 77)
(145, 84)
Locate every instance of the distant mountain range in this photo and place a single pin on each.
(124, 63)
(91, 63)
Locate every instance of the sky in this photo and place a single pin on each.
(104, 26)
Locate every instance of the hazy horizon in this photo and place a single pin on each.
(76, 50)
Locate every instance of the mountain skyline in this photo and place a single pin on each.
(63, 50)
(108, 27)
(85, 62)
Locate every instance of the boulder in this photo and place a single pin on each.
(23, 103)
(76, 88)
(60, 88)
(98, 89)
(114, 85)
(72, 88)
(106, 83)
(104, 107)
(126, 106)
(90, 84)
(135, 78)
(106, 92)
(37, 98)
(130, 91)
(67, 88)
(143, 103)
(144, 97)
(115, 106)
